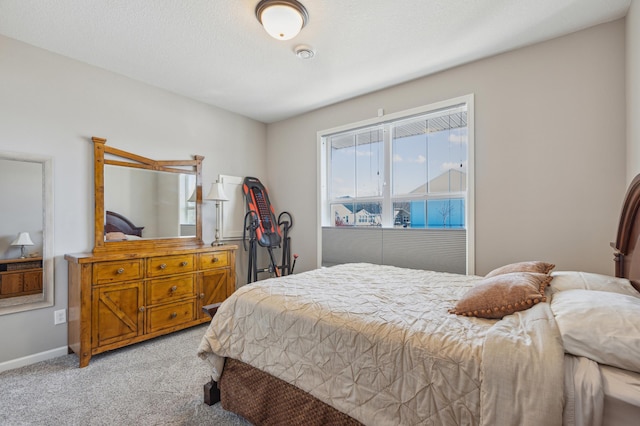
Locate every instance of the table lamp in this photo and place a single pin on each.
(23, 240)
(217, 194)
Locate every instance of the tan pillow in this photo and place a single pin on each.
(115, 236)
(502, 295)
(533, 266)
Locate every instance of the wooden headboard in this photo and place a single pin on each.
(627, 245)
(117, 223)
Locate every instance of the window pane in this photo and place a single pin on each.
(410, 214)
(357, 214)
(447, 154)
(369, 163)
(430, 154)
(342, 214)
(418, 214)
(409, 165)
(343, 166)
(368, 214)
(445, 213)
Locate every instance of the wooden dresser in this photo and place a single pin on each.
(20, 277)
(117, 299)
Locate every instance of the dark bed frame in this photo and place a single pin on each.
(115, 222)
(258, 397)
(626, 257)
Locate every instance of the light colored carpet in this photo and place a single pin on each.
(158, 382)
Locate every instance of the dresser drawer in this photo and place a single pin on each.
(165, 290)
(116, 271)
(218, 259)
(169, 265)
(171, 315)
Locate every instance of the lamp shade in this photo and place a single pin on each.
(193, 198)
(216, 193)
(282, 19)
(23, 240)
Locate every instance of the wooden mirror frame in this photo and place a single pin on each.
(192, 167)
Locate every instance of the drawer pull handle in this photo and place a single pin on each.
(184, 263)
(173, 315)
(174, 288)
(163, 266)
(215, 259)
(120, 271)
(201, 295)
(141, 308)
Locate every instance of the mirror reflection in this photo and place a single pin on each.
(26, 280)
(148, 204)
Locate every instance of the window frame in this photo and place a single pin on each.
(387, 199)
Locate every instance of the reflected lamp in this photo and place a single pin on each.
(23, 240)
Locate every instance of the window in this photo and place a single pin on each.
(409, 171)
(424, 158)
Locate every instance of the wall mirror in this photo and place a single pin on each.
(26, 232)
(143, 203)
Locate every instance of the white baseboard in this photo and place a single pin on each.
(32, 359)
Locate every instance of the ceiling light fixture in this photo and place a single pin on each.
(282, 19)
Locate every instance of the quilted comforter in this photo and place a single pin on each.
(377, 343)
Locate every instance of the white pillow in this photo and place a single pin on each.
(572, 280)
(600, 325)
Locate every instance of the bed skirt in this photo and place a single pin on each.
(266, 400)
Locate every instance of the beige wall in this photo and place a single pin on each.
(51, 106)
(633, 90)
(550, 150)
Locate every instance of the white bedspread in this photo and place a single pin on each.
(377, 343)
(584, 392)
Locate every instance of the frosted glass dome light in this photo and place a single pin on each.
(282, 19)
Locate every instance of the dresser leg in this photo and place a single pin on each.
(84, 359)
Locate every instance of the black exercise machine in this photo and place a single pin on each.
(264, 230)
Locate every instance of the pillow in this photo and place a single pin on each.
(115, 236)
(502, 295)
(533, 266)
(572, 280)
(600, 325)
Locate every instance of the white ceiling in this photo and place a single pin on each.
(215, 51)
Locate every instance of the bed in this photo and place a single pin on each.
(379, 345)
(118, 227)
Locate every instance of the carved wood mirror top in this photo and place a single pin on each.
(142, 203)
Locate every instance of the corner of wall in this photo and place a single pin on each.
(633, 89)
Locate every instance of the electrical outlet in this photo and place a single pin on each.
(59, 317)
